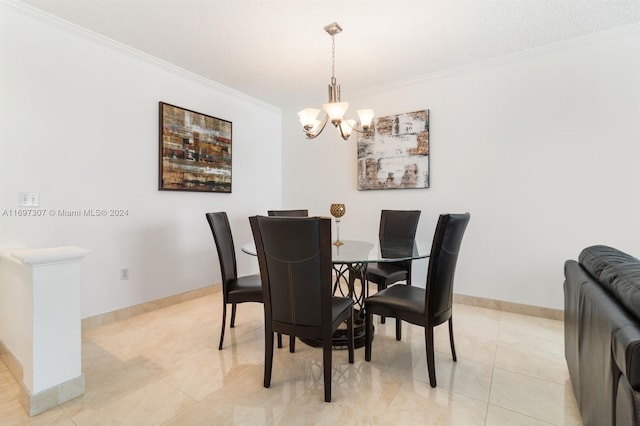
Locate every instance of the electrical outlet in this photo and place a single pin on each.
(124, 274)
(28, 199)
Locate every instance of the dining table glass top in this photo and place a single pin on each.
(356, 251)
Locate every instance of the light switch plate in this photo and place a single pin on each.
(28, 199)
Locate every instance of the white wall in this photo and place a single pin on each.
(543, 148)
(79, 126)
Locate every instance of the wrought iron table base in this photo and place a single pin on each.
(341, 276)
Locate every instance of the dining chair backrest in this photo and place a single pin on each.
(446, 244)
(219, 224)
(294, 255)
(289, 213)
(399, 224)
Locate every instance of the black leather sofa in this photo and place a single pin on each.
(602, 335)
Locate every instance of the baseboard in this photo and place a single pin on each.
(12, 363)
(499, 305)
(42, 401)
(37, 403)
(120, 314)
(516, 308)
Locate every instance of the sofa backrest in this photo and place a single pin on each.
(616, 272)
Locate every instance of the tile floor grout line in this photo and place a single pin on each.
(493, 370)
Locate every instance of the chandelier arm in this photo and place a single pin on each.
(345, 137)
(361, 130)
(313, 135)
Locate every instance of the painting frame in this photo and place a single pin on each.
(195, 151)
(396, 154)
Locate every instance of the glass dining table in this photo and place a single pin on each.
(353, 256)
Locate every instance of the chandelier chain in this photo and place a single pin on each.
(333, 58)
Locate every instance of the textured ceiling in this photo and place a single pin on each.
(278, 52)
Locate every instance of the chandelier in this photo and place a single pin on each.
(335, 109)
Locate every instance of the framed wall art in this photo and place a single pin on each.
(396, 154)
(195, 151)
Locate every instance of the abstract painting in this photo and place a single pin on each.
(195, 151)
(396, 154)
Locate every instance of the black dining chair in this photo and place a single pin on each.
(394, 224)
(234, 289)
(294, 255)
(289, 213)
(426, 307)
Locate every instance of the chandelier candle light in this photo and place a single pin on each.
(335, 109)
(338, 210)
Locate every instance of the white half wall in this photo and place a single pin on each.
(542, 148)
(79, 126)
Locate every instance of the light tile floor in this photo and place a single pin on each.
(164, 368)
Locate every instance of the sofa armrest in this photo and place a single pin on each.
(626, 353)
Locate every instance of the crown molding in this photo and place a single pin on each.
(601, 36)
(128, 50)
(564, 45)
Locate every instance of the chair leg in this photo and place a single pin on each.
(279, 341)
(453, 346)
(292, 344)
(350, 337)
(268, 355)
(428, 334)
(398, 329)
(233, 315)
(326, 365)
(368, 333)
(383, 319)
(224, 320)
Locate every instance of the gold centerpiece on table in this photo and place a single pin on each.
(337, 210)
